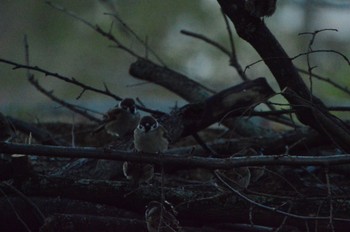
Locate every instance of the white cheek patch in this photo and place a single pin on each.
(155, 125)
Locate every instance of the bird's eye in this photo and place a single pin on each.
(140, 127)
(154, 126)
(132, 109)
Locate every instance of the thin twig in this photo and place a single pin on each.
(108, 35)
(60, 77)
(233, 57)
(329, 192)
(285, 180)
(143, 42)
(49, 94)
(283, 221)
(72, 80)
(15, 211)
(299, 55)
(273, 209)
(327, 80)
(312, 40)
(205, 147)
(209, 41)
(69, 106)
(24, 197)
(320, 51)
(314, 33)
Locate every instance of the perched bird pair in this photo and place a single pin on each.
(149, 136)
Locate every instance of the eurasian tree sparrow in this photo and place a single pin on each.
(122, 119)
(150, 136)
(159, 218)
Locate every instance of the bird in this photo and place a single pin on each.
(150, 136)
(7, 130)
(138, 173)
(159, 218)
(121, 120)
(260, 8)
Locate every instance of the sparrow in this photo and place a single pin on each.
(138, 173)
(121, 120)
(150, 136)
(260, 8)
(159, 218)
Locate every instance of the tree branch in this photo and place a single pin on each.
(172, 160)
(255, 32)
(178, 83)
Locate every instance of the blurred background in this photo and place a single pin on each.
(62, 44)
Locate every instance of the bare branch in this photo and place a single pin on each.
(71, 80)
(233, 57)
(322, 50)
(174, 81)
(143, 42)
(69, 106)
(173, 160)
(327, 80)
(209, 41)
(273, 209)
(255, 32)
(97, 28)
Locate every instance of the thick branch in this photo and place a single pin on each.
(172, 160)
(190, 90)
(255, 32)
(178, 83)
(234, 101)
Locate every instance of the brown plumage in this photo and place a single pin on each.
(121, 120)
(150, 136)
